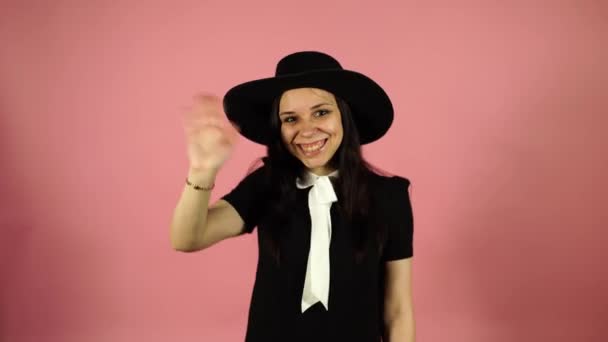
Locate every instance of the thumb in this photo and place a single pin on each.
(236, 126)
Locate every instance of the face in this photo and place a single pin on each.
(311, 127)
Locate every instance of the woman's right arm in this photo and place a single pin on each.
(195, 224)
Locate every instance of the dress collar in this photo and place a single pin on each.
(310, 178)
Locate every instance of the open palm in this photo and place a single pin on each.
(210, 136)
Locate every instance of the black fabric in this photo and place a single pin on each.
(356, 289)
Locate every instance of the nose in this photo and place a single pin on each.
(308, 129)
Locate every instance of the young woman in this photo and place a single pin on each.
(334, 234)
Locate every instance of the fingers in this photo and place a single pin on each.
(208, 105)
(206, 114)
(235, 126)
(207, 99)
(205, 121)
(204, 105)
(233, 134)
(206, 109)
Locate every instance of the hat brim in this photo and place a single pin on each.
(249, 104)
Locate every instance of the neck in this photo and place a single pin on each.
(321, 171)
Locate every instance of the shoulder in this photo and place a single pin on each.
(388, 184)
(253, 183)
(388, 193)
(257, 172)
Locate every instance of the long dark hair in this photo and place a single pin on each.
(352, 185)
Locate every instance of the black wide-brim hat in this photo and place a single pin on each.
(249, 105)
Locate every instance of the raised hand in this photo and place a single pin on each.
(210, 136)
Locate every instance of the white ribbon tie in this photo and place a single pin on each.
(320, 199)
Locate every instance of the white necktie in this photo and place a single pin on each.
(320, 199)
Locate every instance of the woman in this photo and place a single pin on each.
(334, 235)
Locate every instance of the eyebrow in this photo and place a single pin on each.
(311, 108)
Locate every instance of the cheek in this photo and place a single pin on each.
(340, 137)
(335, 124)
(286, 135)
(336, 129)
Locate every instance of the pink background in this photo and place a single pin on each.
(501, 119)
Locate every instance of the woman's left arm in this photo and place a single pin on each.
(399, 324)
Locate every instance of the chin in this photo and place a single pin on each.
(314, 166)
(320, 164)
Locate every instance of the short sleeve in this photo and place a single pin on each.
(399, 242)
(248, 198)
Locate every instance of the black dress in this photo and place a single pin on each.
(356, 288)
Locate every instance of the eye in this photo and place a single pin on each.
(322, 112)
(289, 119)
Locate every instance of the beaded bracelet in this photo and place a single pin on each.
(196, 187)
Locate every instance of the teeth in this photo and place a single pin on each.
(313, 147)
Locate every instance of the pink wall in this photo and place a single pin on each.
(501, 126)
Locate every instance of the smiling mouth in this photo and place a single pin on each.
(313, 148)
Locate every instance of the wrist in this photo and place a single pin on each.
(203, 178)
